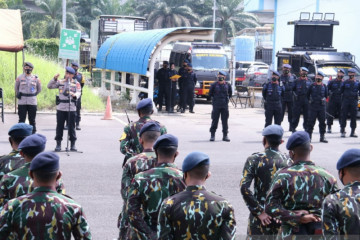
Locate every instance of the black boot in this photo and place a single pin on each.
(342, 131)
(353, 133)
(212, 138)
(226, 138)
(58, 146)
(329, 129)
(323, 139)
(73, 147)
(78, 126)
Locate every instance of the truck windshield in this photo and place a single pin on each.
(201, 61)
(332, 70)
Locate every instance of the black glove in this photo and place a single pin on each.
(18, 95)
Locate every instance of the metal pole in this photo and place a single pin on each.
(214, 11)
(64, 14)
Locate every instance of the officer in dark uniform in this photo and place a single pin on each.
(317, 95)
(189, 80)
(182, 71)
(163, 76)
(334, 107)
(301, 102)
(79, 77)
(287, 81)
(272, 93)
(220, 92)
(350, 92)
(173, 87)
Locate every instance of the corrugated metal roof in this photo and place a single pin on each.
(130, 51)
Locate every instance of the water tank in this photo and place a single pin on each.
(245, 48)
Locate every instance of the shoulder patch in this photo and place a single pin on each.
(123, 136)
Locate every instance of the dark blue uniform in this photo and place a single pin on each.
(350, 92)
(287, 82)
(220, 94)
(334, 107)
(173, 89)
(301, 102)
(181, 72)
(163, 76)
(317, 95)
(273, 93)
(188, 82)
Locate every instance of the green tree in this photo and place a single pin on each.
(3, 4)
(86, 10)
(113, 7)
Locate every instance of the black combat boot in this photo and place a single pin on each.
(58, 146)
(226, 138)
(212, 138)
(342, 131)
(329, 129)
(323, 139)
(353, 133)
(78, 126)
(73, 147)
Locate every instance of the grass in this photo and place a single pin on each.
(45, 70)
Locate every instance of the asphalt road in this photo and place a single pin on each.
(93, 177)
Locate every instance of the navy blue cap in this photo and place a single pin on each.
(29, 64)
(352, 70)
(341, 70)
(189, 65)
(296, 139)
(149, 126)
(222, 73)
(195, 159)
(20, 130)
(321, 73)
(45, 161)
(349, 158)
(275, 72)
(287, 66)
(147, 102)
(166, 140)
(187, 61)
(273, 130)
(304, 69)
(70, 70)
(166, 62)
(75, 64)
(34, 143)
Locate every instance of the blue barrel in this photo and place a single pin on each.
(245, 48)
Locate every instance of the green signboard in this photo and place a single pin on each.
(69, 44)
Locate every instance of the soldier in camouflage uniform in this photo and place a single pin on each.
(14, 160)
(44, 213)
(261, 167)
(148, 189)
(18, 182)
(196, 213)
(149, 133)
(129, 141)
(297, 192)
(341, 210)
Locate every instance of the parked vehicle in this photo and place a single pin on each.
(256, 76)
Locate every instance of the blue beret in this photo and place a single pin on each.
(34, 143)
(70, 70)
(147, 102)
(166, 140)
(75, 64)
(20, 130)
(273, 130)
(275, 72)
(189, 64)
(350, 157)
(29, 64)
(341, 70)
(195, 159)
(297, 139)
(287, 66)
(150, 126)
(222, 73)
(352, 70)
(187, 61)
(45, 161)
(304, 69)
(321, 73)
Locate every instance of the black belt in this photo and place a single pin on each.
(28, 94)
(67, 101)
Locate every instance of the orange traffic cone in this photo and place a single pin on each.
(108, 111)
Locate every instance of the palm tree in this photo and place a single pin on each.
(113, 7)
(167, 13)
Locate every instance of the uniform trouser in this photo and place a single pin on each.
(31, 111)
(289, 106)
(188, 98)
(334, 108)
(173, 95)
(273, 110)
(255, 228)
(316, 111)
(215, 115)
(301, 104)
(78, 115)
(349, 106)
(164, 92)
(60, 120)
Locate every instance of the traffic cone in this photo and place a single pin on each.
(108, 111)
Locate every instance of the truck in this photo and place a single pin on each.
(207, 60)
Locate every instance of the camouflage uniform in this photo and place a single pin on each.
(148, 190)
(341, 212)
(196, 214)
(18, 183)
(43, 214)
(135, 165)
(301, 186)
(260, 167)
(11, 162)
(129, 142)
